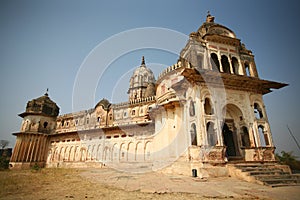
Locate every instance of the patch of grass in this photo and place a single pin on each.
(35, 167)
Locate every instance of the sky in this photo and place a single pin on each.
(46, 44)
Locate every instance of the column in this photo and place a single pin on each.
(20, 151)
(218, 122)
(251, 135)
(33, 148)
(230, 65)
(244, 69)
(25, 149)
(269, 134)
(42, 149)
(220, 63)
(256, 135)
(37, 151)
(241, 68)
(30, 144)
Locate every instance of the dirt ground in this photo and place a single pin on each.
(46, 184)
(66, 184)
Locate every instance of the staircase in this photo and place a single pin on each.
(270, 174)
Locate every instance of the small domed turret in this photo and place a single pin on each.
(43, 106)
(104, 103)
(139, 81)
(40, 115)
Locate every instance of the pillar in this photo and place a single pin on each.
(230, 65)
(30, 148)
(220, 63)
(38, 149)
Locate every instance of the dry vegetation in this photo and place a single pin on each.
(67, 184)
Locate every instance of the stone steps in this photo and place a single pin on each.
(273, 172)
(270, 174)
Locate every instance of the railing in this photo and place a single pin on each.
(142, 100)
(172, 68)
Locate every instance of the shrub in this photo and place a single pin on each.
(287, 158)
(4, 162)
(35, 167)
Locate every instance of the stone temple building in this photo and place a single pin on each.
(202, 113)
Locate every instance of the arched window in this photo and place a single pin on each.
(211, 134)
(258, 111)
(45, 124)
(235, 65)
(193, 134)
(247, 69)
(245, 137)
(264, 140)
(192, 108)
(207, 107)
(225, 64)
(214, 61)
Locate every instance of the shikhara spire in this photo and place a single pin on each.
(47, 90)
(143, 61)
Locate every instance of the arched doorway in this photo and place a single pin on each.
(228, 138)
(231, 130)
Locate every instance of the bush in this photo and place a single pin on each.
(287, 158)
(35, 167)
(4, 162)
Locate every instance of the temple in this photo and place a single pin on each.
(202, 113)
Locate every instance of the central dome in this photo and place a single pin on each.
(211, 28)
(139, 81)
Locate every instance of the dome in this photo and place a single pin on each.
(142, 76)
(211, 28)
(41, 106)
(139, 81)
(104, 103)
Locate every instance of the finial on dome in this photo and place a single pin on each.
(143, 60)
(209, 18)
(46, 94)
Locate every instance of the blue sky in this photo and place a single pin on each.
(44, 43)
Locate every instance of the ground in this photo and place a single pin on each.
(46, 184)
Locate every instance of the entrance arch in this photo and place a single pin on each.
(228, 138)
(231, 134)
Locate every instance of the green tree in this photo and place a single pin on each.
(287, 158)
(4, 159)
